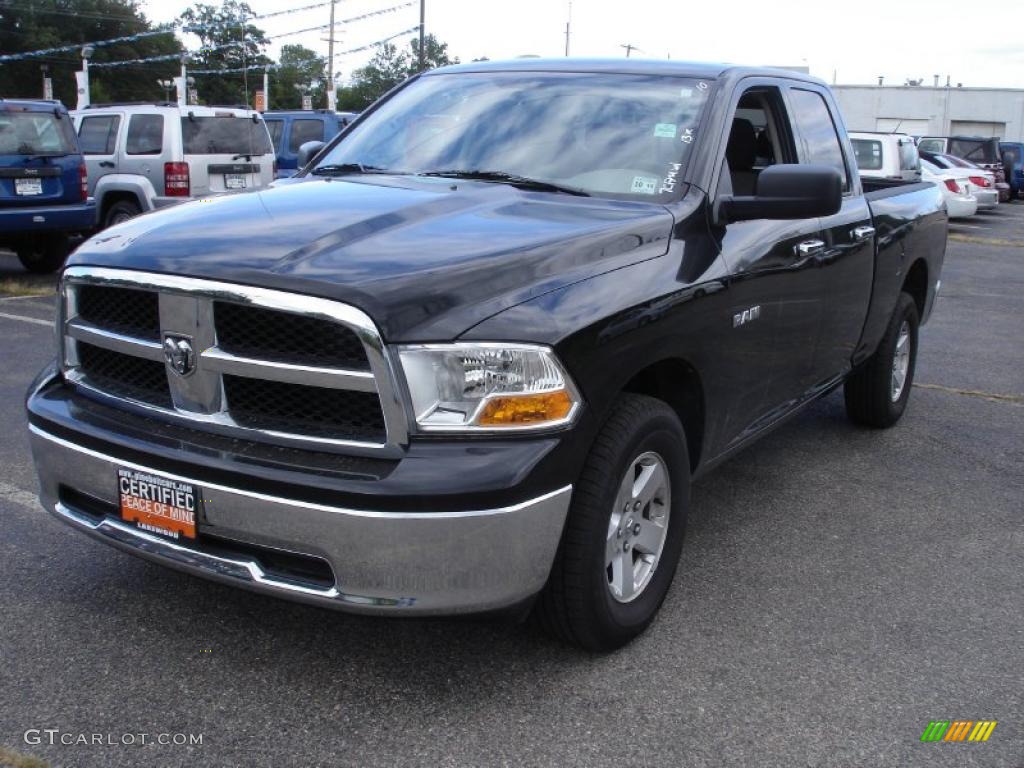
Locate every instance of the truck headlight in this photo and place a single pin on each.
(492, 386)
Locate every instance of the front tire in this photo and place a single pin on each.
(48, 257)
(624, 532)
(877, 393)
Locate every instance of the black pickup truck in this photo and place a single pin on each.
(472, 357)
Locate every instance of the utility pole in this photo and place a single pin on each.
(423, 21)
(568, 21)
(629, 48)
(331, 95)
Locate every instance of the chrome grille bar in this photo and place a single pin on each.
(186, 311)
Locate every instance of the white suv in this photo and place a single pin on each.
(146, 156)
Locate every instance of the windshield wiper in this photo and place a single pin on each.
(50, 155)
(341, 169)
(246, 155)
(504, 177)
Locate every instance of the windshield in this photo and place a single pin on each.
(224, 136)
(615, 135)
(35, 133)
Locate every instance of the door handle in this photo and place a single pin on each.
(861, 234)
(106, 164)
(810, 247)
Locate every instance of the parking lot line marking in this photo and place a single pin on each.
(36, 320)
(14, 494)
(973, 393)
(996, 241)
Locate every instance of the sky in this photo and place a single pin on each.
(844, 42)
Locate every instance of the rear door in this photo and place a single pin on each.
(97, 137)
(39, 159)
(846, 262)
(775, 299)
(226, 152)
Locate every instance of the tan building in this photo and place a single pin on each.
(934, 111)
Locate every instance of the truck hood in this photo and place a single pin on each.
(427, 259)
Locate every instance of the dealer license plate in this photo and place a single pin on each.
(234, 181)
(158, 504)
(28, 186)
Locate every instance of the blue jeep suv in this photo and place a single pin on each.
(290, 129)
(43, 184)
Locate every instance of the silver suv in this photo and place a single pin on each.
(146, 156)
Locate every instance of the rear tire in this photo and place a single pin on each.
(877, 393)
(46, 256)
(120, 212)
(613, 529)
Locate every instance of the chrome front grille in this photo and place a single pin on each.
(265, 365)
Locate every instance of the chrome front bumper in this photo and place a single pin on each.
(418, 563)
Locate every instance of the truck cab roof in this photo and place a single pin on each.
(703, 70)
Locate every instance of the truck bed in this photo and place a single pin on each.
(910, 222)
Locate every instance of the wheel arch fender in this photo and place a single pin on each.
(120, 186)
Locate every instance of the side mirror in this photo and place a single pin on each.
(787, 192)
(308, 151)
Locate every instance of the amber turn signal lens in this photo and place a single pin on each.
(519, 410)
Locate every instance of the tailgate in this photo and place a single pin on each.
(35, 184)
(219, 177)
(227, 152)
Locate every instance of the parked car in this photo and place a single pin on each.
(472, 357)
(980, 183)
(956, 190)
(886, 155)
(147, 156)
(1013, 165)
(43, 183)
(290, 129)
(982, 151)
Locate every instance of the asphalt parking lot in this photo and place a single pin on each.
(839, 589)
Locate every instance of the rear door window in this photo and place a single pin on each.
(975, 150)
(98, 135)
(36, 133)
(868, 154)
(225, 135)
(814, 123)
(303, 131)
(145, 135)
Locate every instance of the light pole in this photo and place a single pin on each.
(423, 21)
(166, 85)
(47, 82)
(331, 93)
(82, 77)
(181, 83)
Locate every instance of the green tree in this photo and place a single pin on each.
(298, 66)
(29, 26)
(436, 54)
(389, 67)
(228, 41)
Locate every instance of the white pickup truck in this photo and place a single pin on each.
(886, 156)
